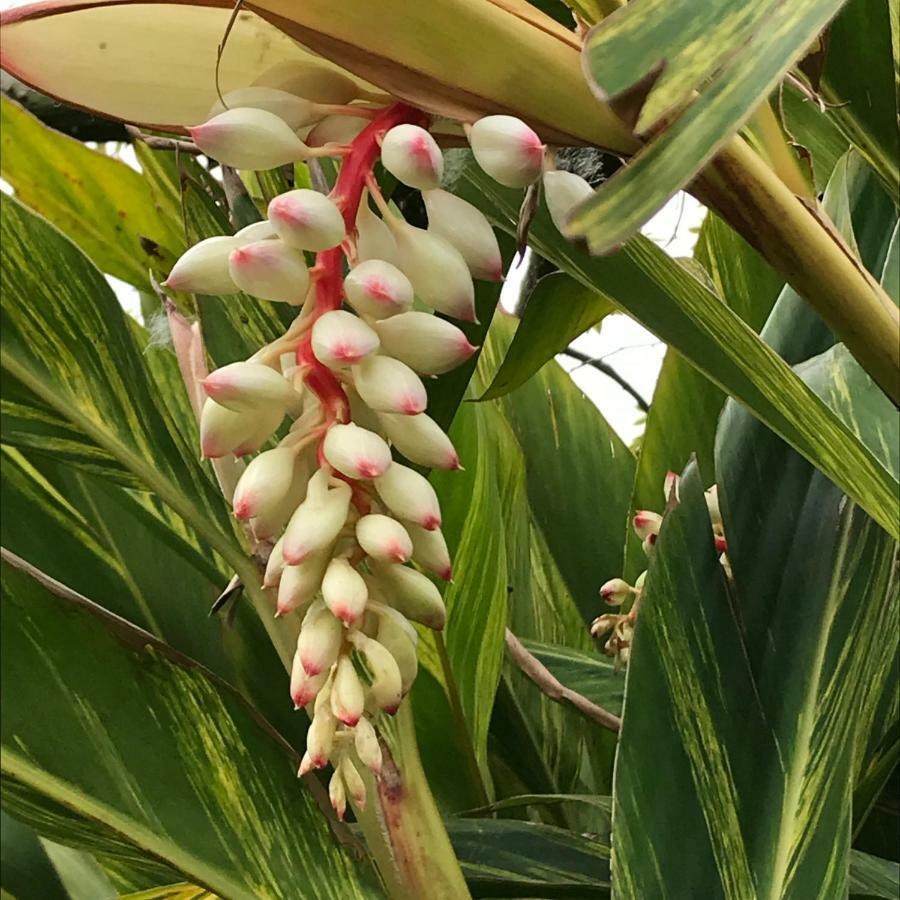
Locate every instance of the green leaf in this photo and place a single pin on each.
(156, 748)
(663, 296)
(26, 872)
(772, 36)
(99, 202)
(604, 803)
(557, 311)
(873, 877)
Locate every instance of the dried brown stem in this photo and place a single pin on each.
(161, 143)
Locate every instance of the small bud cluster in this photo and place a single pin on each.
(615, 592)
(353, 531)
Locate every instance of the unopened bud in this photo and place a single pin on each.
(409, 496)
(384, 539)
(203, 268)
(247, 138)
(300, 584)
(304, 687)
(648, 543)
(437, 270)
(320, 737)
(222, 429)
(467, 229)
(356, 452)
(264, 483)
(430, 551)
(241, 385)
(378, 289)
(337, 794)
(413, 157)
(296, 111)
(307, 220)
(563, 191)
(712, 505)
(356, 787)
(616, 591)
(427, 344)
(367, 747)
(316, 81)
(507, 150)
(274, 565)
(344, 591)
(340, 338)
(414, 595)
(669, 484)
(387, 685)
(347, 695)
(646, 523)
(255, 231)
(604, 623)
(320, 641)
(400, 638)
(270, 521)
(306, 765)
(270, 270)
(421, 440)
(336, 130)
(387, 385)
(639, 582)
(316, 523)
(374, 239)
(267, 419)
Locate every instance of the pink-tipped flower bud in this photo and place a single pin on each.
(387, 686)
(427, 344)
(270, 521)
(341, 339)
(223, 429)
(316, 524)
(344, 591)
(304, 687)
(203, 268)
(399, 637)
(241, 385)
(374, 239)
(274, 565)
(300, 584)
(353, 782)
(412, 156)
(307, 220)
(255, 231)
(356, 452)
(336, 130)
(320, 737)
(563, 191)
(421, 440)
(347, 695)
(306, 765)
(384, 539)
(648, 544)
(367, 747)
(437, 270)
(646, 524)
(409, 496)
(264, 483)
(507, 150)
(712, 505)
(337, 795)
(378, 289)
(413, 594)
(616, 591)
(387, 385)
(247, 138)
(267, 420)
(320, 640)
(670, 483)
(296, 111)
(430, 551)
(270, 270)
(467, 229)
(318, 81)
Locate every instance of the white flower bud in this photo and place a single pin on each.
(360, 413)
(413, 595)
(374, 239)
(646, 524)
(347, 695)
(272, 519)
(247, 138)
(336, 130)
(421, 440)
(400, 638)
(507, 150)
(320, 641)
(671, 483)
(304, 687)
(384, 539)
(353, 782)
(256, 231)
(306, 765)
(387, 385)
(270, 270)
(223, 429)
(387, 685)
(563, 191)
(300, 584)
(413, 157)
(344, 591)
(467, 229)
(337, 794)
(316, 524)
(274, 565)
(294, 110)
(245, 384)
(356, 452)
(203, 268)
(437, 270)
(320, 737)
(307, 220)
(427, 344)
(264, 483)
(317, 82)
(712, 505)
(367, 747)
(267, 420)
(378, 289)
(616, 591)
(430, 551)
(409, 496)
(341, 339)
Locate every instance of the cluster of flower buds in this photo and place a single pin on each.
(353, 531)
(617, 591)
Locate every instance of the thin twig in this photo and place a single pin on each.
(609, 372)
(161, 143)
(534, 669)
